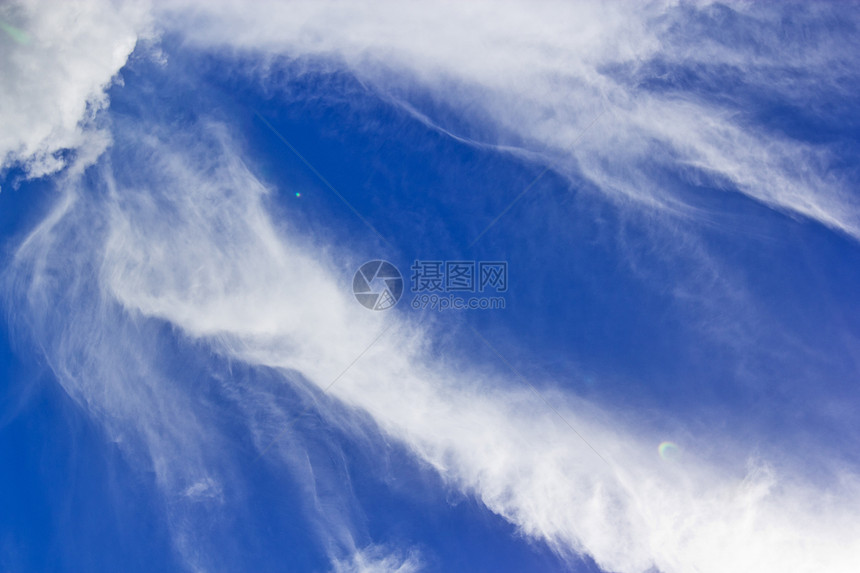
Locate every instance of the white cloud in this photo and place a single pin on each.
(57, 59)
(205, 489)
(192, 244)
(375, 559)
(539, 73)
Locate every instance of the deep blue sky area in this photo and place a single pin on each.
(69, 501)
(704, 315)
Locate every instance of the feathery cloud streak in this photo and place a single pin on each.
(189, 241)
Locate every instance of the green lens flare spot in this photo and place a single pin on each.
(669, 450)
(20, 36)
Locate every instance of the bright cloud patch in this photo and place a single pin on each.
(57, 59)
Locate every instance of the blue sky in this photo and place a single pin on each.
(189, 384)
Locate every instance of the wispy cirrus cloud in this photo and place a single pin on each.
(535, 76)
(188, 242)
